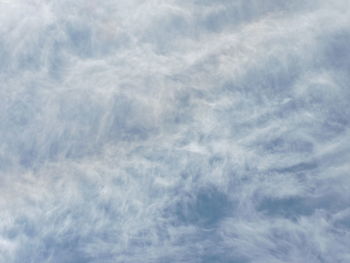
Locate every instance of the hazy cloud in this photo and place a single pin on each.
(174, 131)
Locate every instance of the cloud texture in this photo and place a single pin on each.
(174, 131)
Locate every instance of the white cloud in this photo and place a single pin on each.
(172, 131)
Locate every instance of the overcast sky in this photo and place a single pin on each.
(157, 131)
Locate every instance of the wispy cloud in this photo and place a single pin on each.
(172, 131)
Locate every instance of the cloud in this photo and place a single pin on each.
(205, 131)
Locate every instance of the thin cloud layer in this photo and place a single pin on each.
(172, 131)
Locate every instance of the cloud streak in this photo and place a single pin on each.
(165, 131)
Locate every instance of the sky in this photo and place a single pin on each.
(198, 131)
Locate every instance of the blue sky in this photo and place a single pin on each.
(174, 131)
